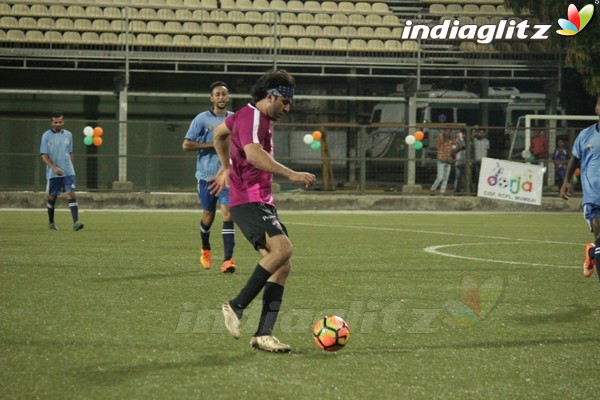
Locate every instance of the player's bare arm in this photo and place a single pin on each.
(565, 188)
(258, 157)
(49, 163)
(190, 145)
(222, 141)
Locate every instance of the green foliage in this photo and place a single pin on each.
(122, 310)
(582, 51)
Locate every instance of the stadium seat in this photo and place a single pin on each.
(313, 6)
(339, 44)
(323, 44)
(296, 30)
(380, 7)
(218, 15)
(90, 38)
(288, 18)
(109, 38)
(100, 25)
(75, 12)
(520, 47)
(173, 27)
(227, 29)
(470, 9)
(314, 31)
(374, 20)
(128, 38)
(356, 19)
(348, 31)
(364, 8)
(306, 43)
(158, 3)
(331, 31)
(165, 14)
(208, 3)
(305, 18)
(20, 9)
(82, 25)
(15, 35)
(197, 3)
(253, 16)
(47, 24)
(390, 20)
(339, 19)
(376, 45)
(279, 5)
(289, 43)
(144, 39)
(437, 9)
(503, 47)
(183, 14)
(345, 7)
(201, 15)
(262, 29)
(147, 13)
(93, 11)
(58, 11)
(236, 16)
(393, 45)
(244, 29)
(468, 47)
(410, 45)
(358, 45)
(263, 5)
(322, 19)
(365, 32)
(269, 42)
(227, 4)
(295, 5)
(117, 25)
(9, 22)
(252, 42)
(487, 10)
(53, 37)
(36, 9)
(481, 20)
(484, 48)
(137, 26)
(217, 41)
(209, 28)
(26, 23)
(199, 40)
(454, 9)
(71, 37)
(64, 24)
(112, 12)
(34, 36)
(163, 39)
(175, 3)
(329, 6)
(382, 32)
(5, 9)
(191, 27)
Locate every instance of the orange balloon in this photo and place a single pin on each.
(577, 172)
(317, 135)
(97, 141)
(98, 131)
(419, 135)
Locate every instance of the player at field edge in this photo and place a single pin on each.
(586, 155)
(199, 138)
(56, 149)
(247, 139)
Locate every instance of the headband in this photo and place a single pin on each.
(282, 91)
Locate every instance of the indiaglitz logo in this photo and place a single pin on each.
(578, 19)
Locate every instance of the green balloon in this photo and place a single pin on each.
(574, 180)
(418, 145)
(88, 140)
(315, 145)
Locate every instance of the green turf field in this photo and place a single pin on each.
(448, 306)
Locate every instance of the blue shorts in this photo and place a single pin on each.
(56, 186)
(209, 201)
(591, 211)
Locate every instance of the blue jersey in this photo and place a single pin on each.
(201, 131)
(58, 146)
(587, 149)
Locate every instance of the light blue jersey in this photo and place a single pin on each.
(201, 131)
(587, 149)
(58, 146)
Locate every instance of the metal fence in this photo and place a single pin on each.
(351, 158)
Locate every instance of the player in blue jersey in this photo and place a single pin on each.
(199, 137)
(56, 149)
(586, 156)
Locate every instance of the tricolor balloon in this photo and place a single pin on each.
(415, 140)
(313, 140)
(92, 136)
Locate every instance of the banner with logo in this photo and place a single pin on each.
(511, 181)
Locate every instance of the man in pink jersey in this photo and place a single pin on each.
(245, 138)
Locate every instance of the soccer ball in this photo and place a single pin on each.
(331, 333)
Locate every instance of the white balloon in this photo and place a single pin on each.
(410, 139)
(308, 138)
(526, 154)
(88, 131)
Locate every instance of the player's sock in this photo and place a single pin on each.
(228, 233)
(272, 295)
(74, 207)
(596, 255)
(255, 283)
(50, 206)
(205, 236)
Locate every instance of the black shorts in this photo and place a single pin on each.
(256, 220)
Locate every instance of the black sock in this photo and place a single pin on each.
(255, 283)
(50, 206)
(272, 295)
(205, 236)
(596, 255)
(74, 207)
(228, 233)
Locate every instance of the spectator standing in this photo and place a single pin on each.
(443, 146)
(481, 145)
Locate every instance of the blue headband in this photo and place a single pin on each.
(282, 91)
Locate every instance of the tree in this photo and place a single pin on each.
(582, 51)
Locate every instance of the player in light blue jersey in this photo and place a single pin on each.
(586, 156)
(56, 149)
(199, 137)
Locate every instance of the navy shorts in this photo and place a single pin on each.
(209, 201)
(591, 211)
(256, 220)
(56, 186)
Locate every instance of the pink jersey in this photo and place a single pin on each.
(248, 184)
